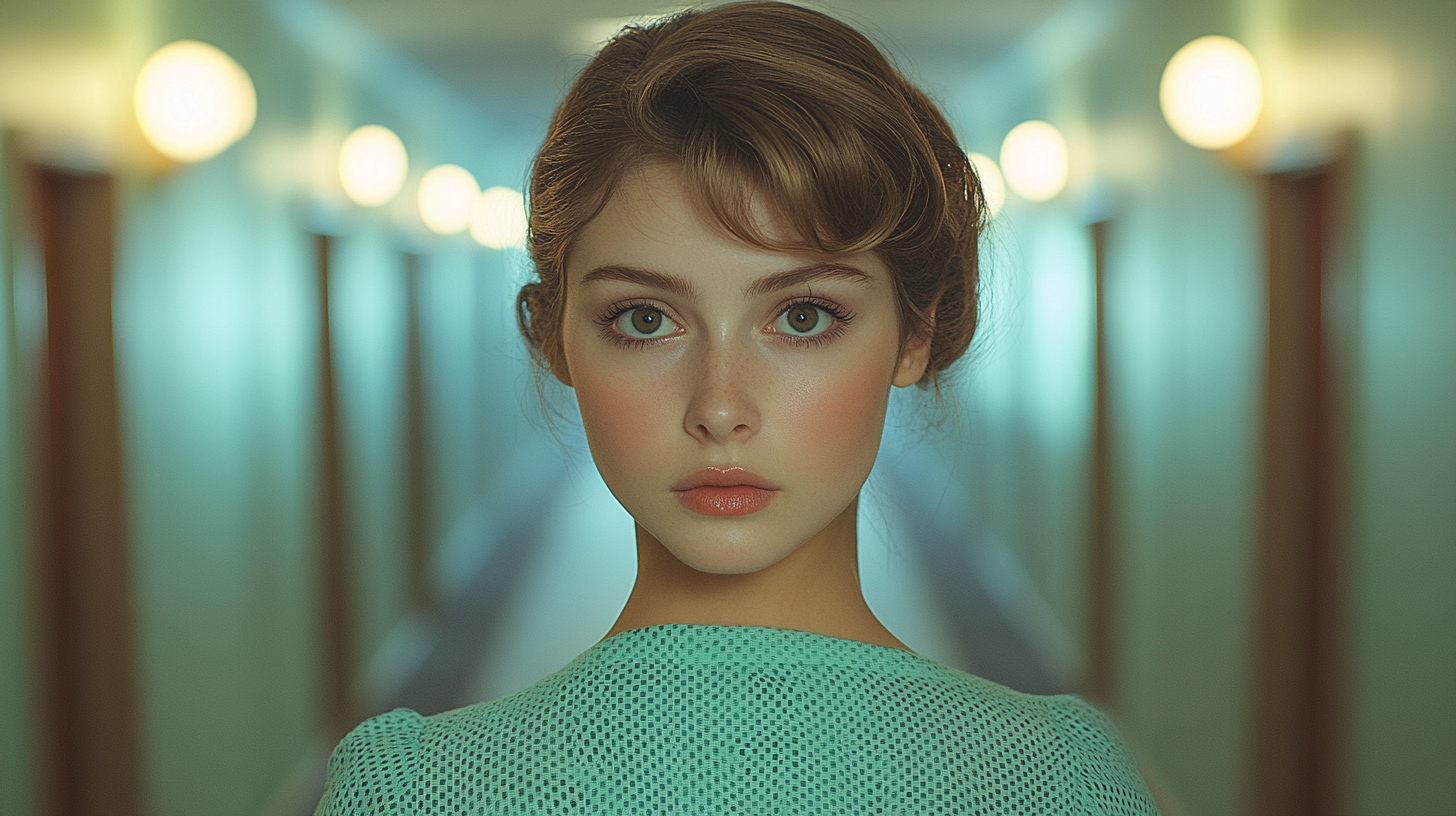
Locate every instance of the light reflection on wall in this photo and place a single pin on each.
(1059, 269)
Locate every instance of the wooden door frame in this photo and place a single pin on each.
(87, 757)
(1099, 682)
(1297, 725)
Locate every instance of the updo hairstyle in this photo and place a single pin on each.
(775, 99)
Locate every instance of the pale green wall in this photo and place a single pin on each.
(1029, 399)
(369, 302)
(215, 322)
(14, 682)
(213, 327)
(1404, 496)
(1185, 333)
(216, 327)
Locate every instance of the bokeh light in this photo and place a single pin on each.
(447, 193)
(993, 186)
(1034, 160)
(498, 218)
(193, 101)
(372, 165)
(1211, 92)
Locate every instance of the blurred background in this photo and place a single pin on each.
(272, 458)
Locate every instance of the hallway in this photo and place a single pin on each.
(274, 457)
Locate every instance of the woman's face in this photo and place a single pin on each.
(733, 397)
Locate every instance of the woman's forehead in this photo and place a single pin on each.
(654, 221)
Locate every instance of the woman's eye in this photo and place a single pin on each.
(644, 323)
(803, 320)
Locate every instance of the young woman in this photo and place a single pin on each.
(747, 228)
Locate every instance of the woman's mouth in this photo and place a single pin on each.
(731, 491)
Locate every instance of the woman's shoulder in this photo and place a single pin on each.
(1111, 780)
(1030, 739)
(889, 715)
(373, 767)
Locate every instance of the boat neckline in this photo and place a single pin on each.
(735, 638)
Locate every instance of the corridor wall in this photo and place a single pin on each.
(1185, 311)
(216, 332)
(14, 665)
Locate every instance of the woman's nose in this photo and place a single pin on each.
(723, 406)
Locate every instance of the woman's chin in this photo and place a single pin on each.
(728, 556)
(727, 565)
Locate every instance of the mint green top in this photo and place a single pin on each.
(735, 719)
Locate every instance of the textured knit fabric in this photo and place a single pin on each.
(682, 719)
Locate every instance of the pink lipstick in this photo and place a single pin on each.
(731, 491)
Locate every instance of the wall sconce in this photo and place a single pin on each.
(372, 165)
(1034, 160)
(498, 219)
(447, 193)
(1211, 92)
(193, 101)
(993, 186)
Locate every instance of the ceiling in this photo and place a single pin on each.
(515, 57)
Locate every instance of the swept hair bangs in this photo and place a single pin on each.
(778, 102)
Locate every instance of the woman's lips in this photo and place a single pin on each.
(724, 501)
(724, 492)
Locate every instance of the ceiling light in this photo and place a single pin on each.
(1034, 160)
(372, 165)
(498, 218)
(193, 101)
(446, 195)
(1211, 92)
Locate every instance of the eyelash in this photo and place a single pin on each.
(842, 317)
(608, 322)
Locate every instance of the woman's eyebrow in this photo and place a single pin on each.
(770, 283)
(804, 274)
(643, 277)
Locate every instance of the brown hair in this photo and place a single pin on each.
(771, 98)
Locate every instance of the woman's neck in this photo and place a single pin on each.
(813, 589)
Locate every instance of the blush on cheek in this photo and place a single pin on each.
(621, 417)
(842, 417)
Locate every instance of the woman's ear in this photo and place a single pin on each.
(915, 355)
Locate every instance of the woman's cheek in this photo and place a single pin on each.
(623, 416)
(841, 415)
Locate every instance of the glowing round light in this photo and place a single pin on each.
(193, 101)
(993, 186)
(1211, 92)
(498, 218)
(447, 193)
(1034, 159)
(372, 165)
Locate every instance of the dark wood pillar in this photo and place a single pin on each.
(1101, 558)
(86, 737)
(1297, 752)
(417, 485)
(334, 563)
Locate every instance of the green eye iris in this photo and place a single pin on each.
(804, 319)
(643, 322)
